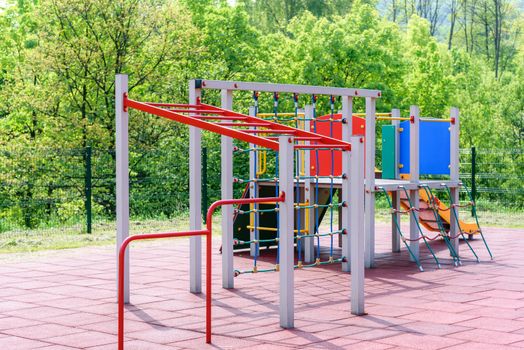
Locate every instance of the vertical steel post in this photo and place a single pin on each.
(122, 175)
(395, 195)
(195, 196)
(454, 175)
(395, 234)
(414, 166)
(286, 224)
(356, 225)
(253, 190)
(309, 195)
(204, 184)
(370, 182)
(347, 114)
(228, 270)
(347, 131)
(88, 189)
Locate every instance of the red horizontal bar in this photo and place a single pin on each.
(201, 111)
(336, 147)
(300, 138)
(328, 141)
(176, 105)
(213, 127)
(243, 124)
(244, 135)
(211, 117)
(270, 131)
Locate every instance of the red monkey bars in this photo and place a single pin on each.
(208, 117)
(207, 232)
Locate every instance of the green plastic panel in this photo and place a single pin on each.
(388, 152)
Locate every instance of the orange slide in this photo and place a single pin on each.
(427, 217)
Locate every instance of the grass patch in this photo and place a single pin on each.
(104, 233)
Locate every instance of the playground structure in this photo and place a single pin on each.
(318, 176)
(315, 160)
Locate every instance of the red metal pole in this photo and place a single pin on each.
(121, 256)
(208, 233)
(208, 285)
(209, 226)
(221, 202)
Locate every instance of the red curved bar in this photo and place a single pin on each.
(207, 232)
(121, 256)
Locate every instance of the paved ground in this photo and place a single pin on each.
(65, 300)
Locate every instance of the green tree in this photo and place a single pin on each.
(428, 83)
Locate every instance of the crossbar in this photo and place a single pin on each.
(291, 88)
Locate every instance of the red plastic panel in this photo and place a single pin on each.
(325, 166)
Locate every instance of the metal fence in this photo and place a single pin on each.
(72, 191)
(495, 177)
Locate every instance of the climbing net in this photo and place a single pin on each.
(315, 192)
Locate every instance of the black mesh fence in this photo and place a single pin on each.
(57, 191)
(72, 191)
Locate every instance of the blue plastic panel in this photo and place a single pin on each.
(434, 148)
(403, 158)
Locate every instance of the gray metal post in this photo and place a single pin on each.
(195, 198)
(205, 204)
(369, 212)
(395, 197)
(253, 189)
(395, 236)
(347, 130)
(347, 114)
(454, 175)
(309, 196)
(286, 241)
(356, 225)
(414, 159)
(122, 176)
(228, 271)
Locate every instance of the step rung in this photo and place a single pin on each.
(270, 131)
(215, 117)
(201, 111)
(301, 138)
(244, 124)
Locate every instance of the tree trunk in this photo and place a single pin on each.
(465, 9)
(452, 22)
(394, 9)
(497, 34)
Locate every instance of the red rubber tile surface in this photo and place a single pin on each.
(66, 300)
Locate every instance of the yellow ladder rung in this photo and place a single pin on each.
(282, 114)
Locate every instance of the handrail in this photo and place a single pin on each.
(121, 256)
(207, 232)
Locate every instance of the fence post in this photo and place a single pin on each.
(473, 177)
(204, 184)
(88, 189)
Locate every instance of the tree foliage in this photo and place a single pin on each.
(58, 59)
